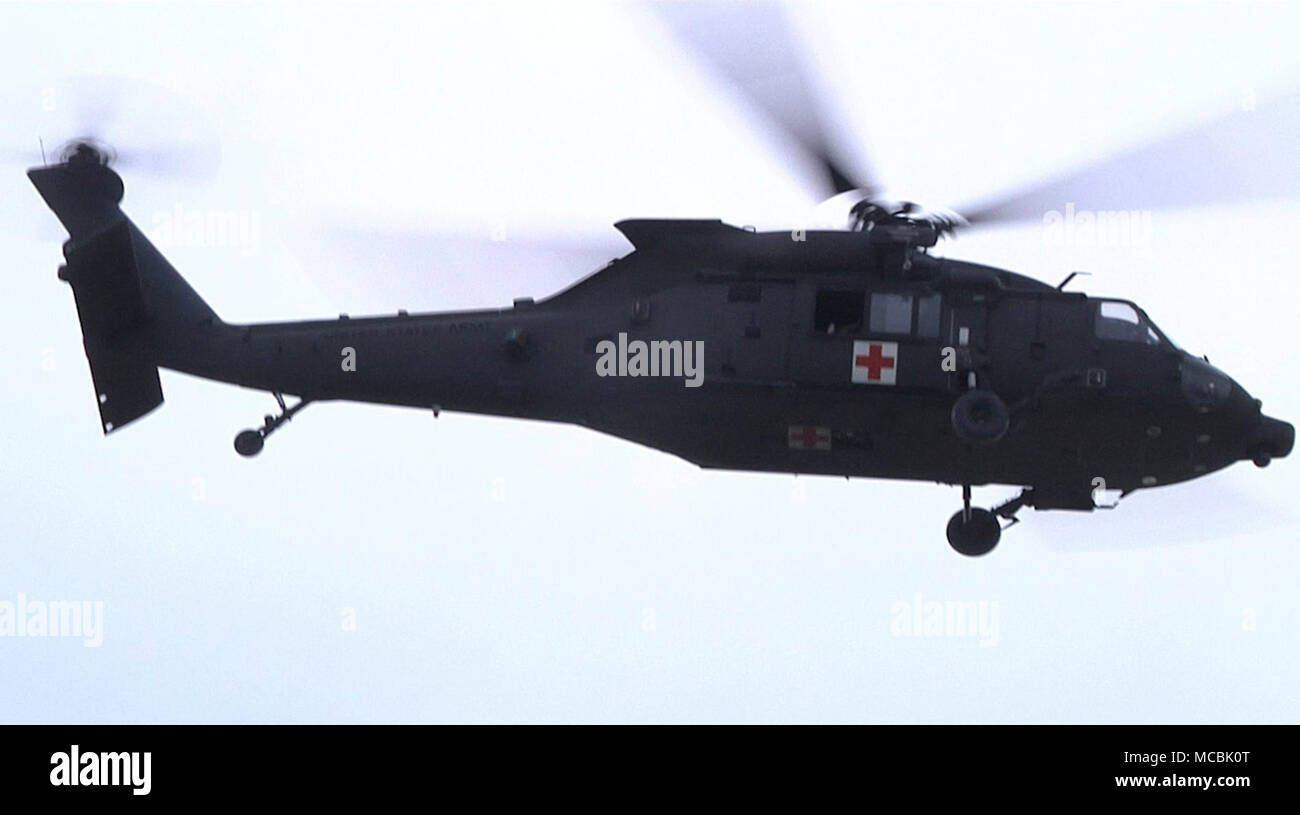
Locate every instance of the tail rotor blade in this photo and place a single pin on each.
(146, 128)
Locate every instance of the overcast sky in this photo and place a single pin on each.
(376, 564)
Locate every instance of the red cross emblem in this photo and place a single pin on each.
(808, 437)
(875, 363)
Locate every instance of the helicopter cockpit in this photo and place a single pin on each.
(1123, 321)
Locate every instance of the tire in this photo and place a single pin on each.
(974, 536)
(249, 443)
(980, 417)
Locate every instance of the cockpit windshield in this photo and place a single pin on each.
(1121, 320)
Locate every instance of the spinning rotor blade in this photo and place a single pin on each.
(144, 128)
(752, 47)
(465, 269)
(1249, 155)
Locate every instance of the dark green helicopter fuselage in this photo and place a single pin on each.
(821, 352)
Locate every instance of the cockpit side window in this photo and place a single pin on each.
(1117, 320)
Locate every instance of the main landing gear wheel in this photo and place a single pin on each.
(249, 443)
(980, 417)
(974, 532)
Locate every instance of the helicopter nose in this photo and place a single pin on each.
(1273, 438)
(1205, 387)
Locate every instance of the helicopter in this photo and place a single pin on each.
(851, 352)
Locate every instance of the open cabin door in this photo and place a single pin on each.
(966, 331)
(882, 339)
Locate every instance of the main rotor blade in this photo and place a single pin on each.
(1250, 155)
(752, 47)
(363, 270)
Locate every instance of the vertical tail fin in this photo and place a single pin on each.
(129, 298)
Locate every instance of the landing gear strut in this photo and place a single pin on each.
(249, 443)
(973, 531)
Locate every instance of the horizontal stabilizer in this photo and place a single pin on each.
(127, 388)
(105, 281)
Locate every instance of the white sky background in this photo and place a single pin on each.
(503, 570)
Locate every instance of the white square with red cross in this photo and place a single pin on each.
(875, 362)
(809, 437)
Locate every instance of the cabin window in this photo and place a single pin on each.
(1121, 321)
(927, 316)
(891, 313)
(838, 312)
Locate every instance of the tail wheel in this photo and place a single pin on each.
(980, 417)
(249, 443)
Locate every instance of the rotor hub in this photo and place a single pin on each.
(86, 152)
